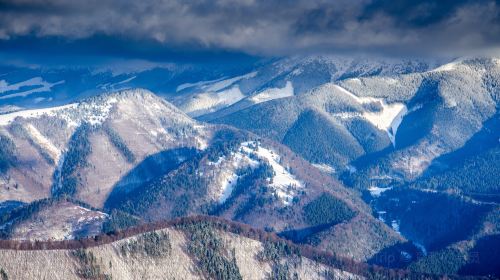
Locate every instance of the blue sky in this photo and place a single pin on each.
(226, 31)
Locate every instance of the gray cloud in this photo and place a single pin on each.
(269, 27)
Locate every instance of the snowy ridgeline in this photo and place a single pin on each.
(284, 185)
(74, 114)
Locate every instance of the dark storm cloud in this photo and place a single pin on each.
(267, 27)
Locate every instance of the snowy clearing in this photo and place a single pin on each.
(43, 142)
(228, 166)
(273, 93)
(205, 103)
(283, 183)
(228, 82)
(324, 168)
(388, 118)
(200, 83)
(377, 191)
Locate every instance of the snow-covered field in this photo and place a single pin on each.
(61, 222)
(228, 82)
(228, 166)
(377, 191)
(92, 112)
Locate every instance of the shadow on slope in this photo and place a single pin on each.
(149, 169)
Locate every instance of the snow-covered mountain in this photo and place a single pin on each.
(446, 107)
(56, 144)
(132, 153)
(300, 146)
(283, 78)
(422, 114)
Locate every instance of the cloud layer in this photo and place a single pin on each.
(266, 27)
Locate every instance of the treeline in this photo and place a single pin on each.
(119, 143)
(67, 179)
(282, 257)
(152, 244)
(251, 183)
(7, 153)
(326, 258)
(17, 215)
(119, 220)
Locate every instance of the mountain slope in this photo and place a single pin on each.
(402, 122)
(175, 252)
(283, 78)
(448, 106)
(327, 116)
(60, 150)
(139, 159)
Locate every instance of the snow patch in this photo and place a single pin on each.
(376, 191)
(200, 83)
(421, 247)
(112, 86)
(205, 103)
(381, 215)
(388, 118)
(97, 113)
(446, 67)
(324, 168)
(228, 183)
(395, 226)
(41, 86)
(228, 82)
(273, 93)
(284, 184)
(43, 142)
(229, 166)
